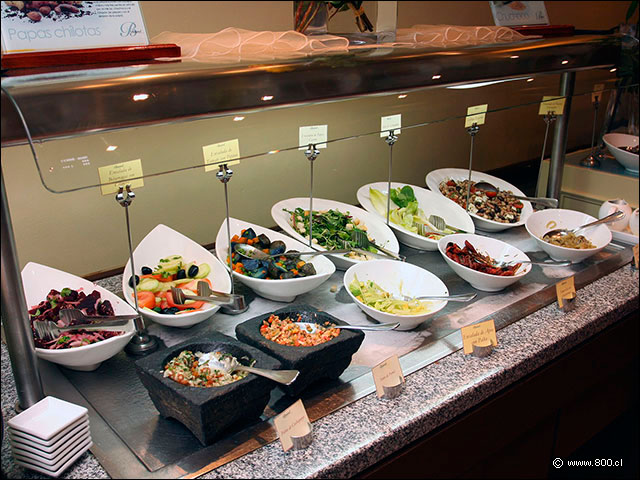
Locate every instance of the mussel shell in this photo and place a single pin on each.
(249, 233)
(277, 247)
(307, 269)
(263, 241)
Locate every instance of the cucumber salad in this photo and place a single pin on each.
(153, 286)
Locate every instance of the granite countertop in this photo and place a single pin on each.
(366, 431)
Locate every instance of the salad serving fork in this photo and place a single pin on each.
(361, 239)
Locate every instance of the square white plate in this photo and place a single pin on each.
(25, 437)
(24, 448)
(62, 468)
(47, 418)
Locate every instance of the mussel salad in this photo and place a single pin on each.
(288, 265)
(49, 310)
(374, 296)
(332, 230)
(153, 286)
(471, 258)
(202, 369)
(499, 206)
(289, 332)
(406, 212)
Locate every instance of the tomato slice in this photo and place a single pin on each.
(196, 305)
(159, 277)
(146, 299)
(491, 194)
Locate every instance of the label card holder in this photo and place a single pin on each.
(223, 153)
(552, 104)
(312, 134)
(294, 428)
(388, 377)
(120, 172)
(392, 122)
(566, 293)
(476, 114)
(479, 338)
(598, 90)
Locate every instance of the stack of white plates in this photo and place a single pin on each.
(49, 436)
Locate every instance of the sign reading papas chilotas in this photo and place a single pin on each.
(70, 25)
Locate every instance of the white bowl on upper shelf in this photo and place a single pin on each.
(281, 290)
(161, 242)
(376, 228)
(435, 177)
(398, 278)
(544, 220)
(615, 141)
(38, 280)
(496, 249)
(430, 202)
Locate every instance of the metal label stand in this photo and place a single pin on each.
(391, 140)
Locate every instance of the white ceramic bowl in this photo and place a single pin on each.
(161, 242)
(430, 202)
(284, 290)
(540, 223)
(496, 249)
(435, 177)
(38, 280)
(393, 276)
(627, 159)
(376, 228)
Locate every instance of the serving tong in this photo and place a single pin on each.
(76, 320)
(205, 294)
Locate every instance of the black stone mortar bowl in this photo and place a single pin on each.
(325, 361)
(207, 412)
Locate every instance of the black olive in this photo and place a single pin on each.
(181, 274)
(146, 271)
(193, 271)
(131, 280)
(173, 310)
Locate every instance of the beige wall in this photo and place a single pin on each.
(83, 232)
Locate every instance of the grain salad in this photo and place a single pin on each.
(200, 369)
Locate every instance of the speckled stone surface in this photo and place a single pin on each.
(366, 431)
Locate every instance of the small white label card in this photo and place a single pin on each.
(635, 256)
(481, 334)
(519, 13)
(476, 114)
(387, 374)
(221, 153)
(598, 90)
(120, 172)
(312, 134)
(551, 104)
(41, 26)
(293, 422)
(565, 289)
(392, 122)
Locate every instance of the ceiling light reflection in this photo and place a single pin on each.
(111, 148)
(404, 95)
(140, 96)
(239, 118)
(266, 98)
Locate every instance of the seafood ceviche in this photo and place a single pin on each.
(49, 310)
(331, 230)
(153, 286)
(201, 369)
(470, 257)
(282, 267)
(287, 332)
(570, 240)
(498, 206)
(374, 296)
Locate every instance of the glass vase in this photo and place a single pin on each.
(310, 18)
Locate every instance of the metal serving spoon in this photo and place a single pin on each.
(252, 252)
(231, 364)
(313, 327)
(561, 232)
(547, 202)
(462, 297)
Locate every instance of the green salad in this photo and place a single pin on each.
(405, 211)
(374, 296)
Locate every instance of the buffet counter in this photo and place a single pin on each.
(367, 431)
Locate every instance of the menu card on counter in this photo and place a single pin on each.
(483, 334)
(293, 422)
(565, 289)
(387, 374)
(46, 26)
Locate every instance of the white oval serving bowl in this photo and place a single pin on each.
(627, 159)
(537, 226)
(435, 177)
(430, 202)
(398, 278)
(38, 280)
(161, 242)
(282, 290)
(376, 228)
(496, 249)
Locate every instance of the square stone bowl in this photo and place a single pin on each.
(325, 361)
(207, 412)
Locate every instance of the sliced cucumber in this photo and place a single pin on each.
(204, 270)
(148, 284)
